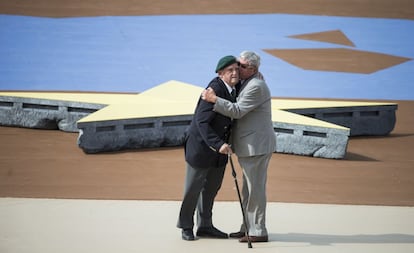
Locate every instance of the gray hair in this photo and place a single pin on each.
(251, 57)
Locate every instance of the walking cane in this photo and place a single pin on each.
(233, 172)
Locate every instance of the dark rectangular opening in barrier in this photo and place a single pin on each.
(138, 126)
(176, 123)
(40, 107)
(315, 134)
(283, 130)
(311, 115)
(105, 128)
(369, 113)
(6, 104)
(337, 114)
(81, 110)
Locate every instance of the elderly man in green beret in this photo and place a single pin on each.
(206, 151)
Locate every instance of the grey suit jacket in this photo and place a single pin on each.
(252, 133)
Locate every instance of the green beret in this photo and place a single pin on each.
(225, 61)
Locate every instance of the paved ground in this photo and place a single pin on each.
(55, 225)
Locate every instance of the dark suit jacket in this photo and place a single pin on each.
(208, 132)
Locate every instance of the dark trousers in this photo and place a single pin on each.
(200, 190)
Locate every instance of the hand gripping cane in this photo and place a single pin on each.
(233, 172)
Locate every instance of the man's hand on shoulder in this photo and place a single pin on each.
(209, 95)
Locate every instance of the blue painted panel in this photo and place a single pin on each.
(132, 54)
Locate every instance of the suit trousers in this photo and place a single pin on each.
(200, 190)
(254, 192)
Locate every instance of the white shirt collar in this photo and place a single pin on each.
(229, 88)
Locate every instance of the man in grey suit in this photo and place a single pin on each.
(253, 141)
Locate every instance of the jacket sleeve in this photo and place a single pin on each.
(203, 118)
(250, 98)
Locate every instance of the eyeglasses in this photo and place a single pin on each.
(245, 66)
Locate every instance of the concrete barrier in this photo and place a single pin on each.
(44, 113)
(160, 116)
(362, 120)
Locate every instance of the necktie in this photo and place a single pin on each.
(233, 94)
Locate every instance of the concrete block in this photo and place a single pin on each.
(106, 136)
(315, 138)
(301, 135)
(44, 113)
(362, 120)
(310, 140)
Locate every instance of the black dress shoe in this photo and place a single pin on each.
(187, 234)
(211, 232)
(254, 239)
(239, 234)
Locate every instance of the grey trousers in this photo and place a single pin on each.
(200, 189)
(254, 192)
